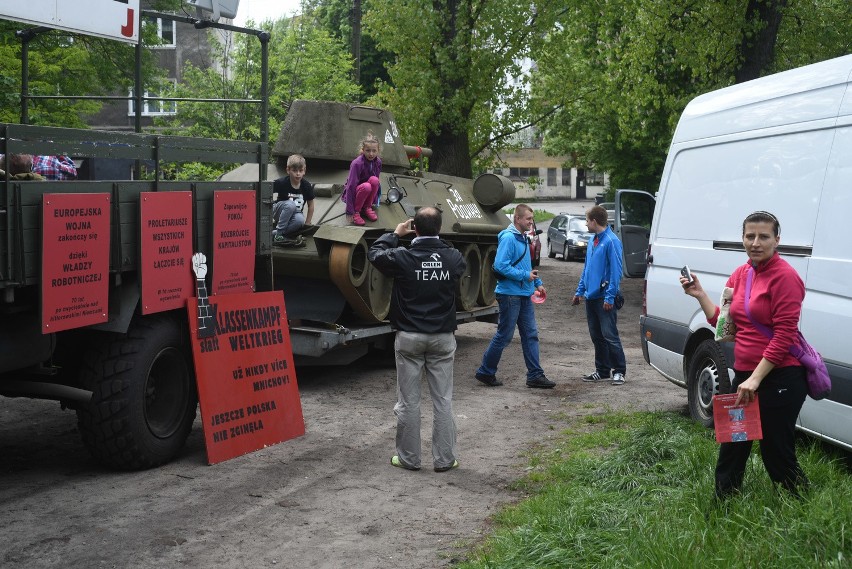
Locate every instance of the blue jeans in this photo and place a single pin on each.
(514, 310)
(609, 355)
(289, 218)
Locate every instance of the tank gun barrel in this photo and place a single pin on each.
(417, 151)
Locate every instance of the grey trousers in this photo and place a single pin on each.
(430, 354)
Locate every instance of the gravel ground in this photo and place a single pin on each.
(329, 498)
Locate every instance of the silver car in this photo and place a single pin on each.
(568, 236)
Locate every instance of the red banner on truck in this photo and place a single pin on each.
(165, 222)
(234, 238)
(74, 261)
(246, 380)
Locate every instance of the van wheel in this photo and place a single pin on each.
(551, 254)
(708, 376)
(144, 399)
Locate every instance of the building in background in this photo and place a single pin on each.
(539, 176)
(181, 43)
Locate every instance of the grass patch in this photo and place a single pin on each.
(636, 491)
(539, 215)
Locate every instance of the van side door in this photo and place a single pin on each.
(634, 210)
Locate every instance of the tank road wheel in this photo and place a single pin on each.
(364, 287)
(377, 288)
(144, 397)
(470, 283)
(488, 282)
(708, 375)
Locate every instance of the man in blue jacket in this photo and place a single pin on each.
(423, 311)
(599, 285)
(515, 285)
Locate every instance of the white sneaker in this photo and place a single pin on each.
(618, 378)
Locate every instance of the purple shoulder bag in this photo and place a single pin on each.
(819, 382)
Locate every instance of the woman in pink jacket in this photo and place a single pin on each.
(763, 364)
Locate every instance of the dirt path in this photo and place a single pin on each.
(330, 498)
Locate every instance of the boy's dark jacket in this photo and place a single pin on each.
(426, 275)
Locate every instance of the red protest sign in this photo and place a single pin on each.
(234, 238)
(165, 222)
(74, 261)
(246, 380)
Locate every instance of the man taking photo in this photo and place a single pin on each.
(423, 311)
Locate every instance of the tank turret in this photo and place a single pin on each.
(327, 277)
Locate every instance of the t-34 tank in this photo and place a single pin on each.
(329, 279)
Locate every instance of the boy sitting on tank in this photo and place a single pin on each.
(292, 193)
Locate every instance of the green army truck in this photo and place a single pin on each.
(130, 378)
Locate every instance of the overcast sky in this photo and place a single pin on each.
(260, 10)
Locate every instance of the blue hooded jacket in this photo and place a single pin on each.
(603, 265)
(512, 244)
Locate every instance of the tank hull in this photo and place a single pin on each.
(331, 258)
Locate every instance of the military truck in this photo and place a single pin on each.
(125, 368)
(130, 379)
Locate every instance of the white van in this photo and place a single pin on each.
(781, 143)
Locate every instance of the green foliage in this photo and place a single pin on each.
(336, 17)
(638, 493)
(617, 73)
(193, 171)
(457, 78)
(539, 215)
(61, 63)
(304, 63)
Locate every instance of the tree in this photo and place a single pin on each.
(304, 63)
(457, 77)
(63, 63)
(617, 74)
(337, 18)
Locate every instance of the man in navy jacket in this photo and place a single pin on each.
(423, 312)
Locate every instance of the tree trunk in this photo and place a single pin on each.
(758, 50)
(450, 153)
(448, 135)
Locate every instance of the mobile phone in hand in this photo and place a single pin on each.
(686, 273)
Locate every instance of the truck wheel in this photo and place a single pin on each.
(144, 399)
(551, 254)
(708, 376)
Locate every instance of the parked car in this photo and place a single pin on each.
(568, 236)
(610, 211)
(535, 245)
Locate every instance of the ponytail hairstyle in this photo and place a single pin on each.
(369, 138)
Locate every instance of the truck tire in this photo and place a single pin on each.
(144, 398)
(708, 376)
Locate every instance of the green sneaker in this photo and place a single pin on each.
(399, 464)
(455, 464)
